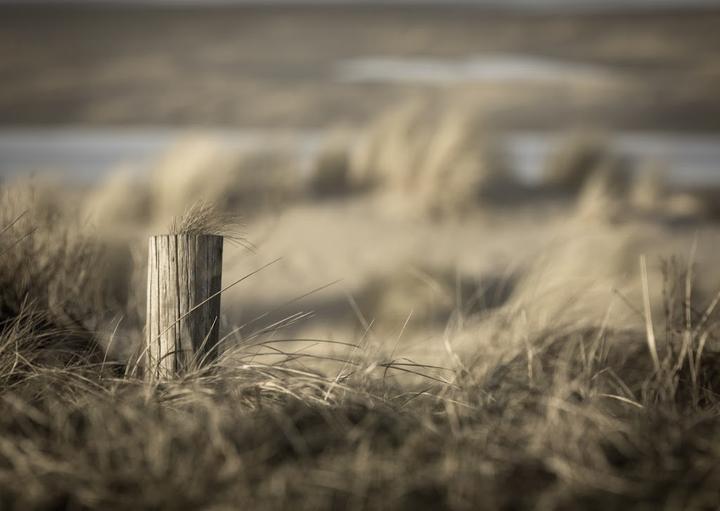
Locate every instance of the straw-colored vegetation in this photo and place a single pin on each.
(429, 160)
(583, 377)
(244, 183)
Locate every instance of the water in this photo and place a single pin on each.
(490, 68)
(86, 155)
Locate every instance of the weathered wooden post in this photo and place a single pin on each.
(183, 302)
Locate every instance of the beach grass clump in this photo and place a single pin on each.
(576, 159)
(241, 182)
(608, 191)
(238, 182)
(330, 172)
(541, 404)
(203, 217)
(611, 186)
(621, 188)
(429, 160)
(49, 260)
(122, 202)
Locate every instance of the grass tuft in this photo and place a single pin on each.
(204, 218)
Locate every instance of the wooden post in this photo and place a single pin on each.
(183, 302)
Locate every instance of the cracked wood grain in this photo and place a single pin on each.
(181, 331)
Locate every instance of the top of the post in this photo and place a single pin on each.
(188, 235)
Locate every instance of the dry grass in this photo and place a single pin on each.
(242, 182)
(569, 418)
(570, 415)
(330, 173)
(199, 169)
(429, 160)
(577, 159)
(204, 218)
(612, 187)
(535, 392)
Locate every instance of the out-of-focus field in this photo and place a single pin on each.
(416, 325)
(283, 66)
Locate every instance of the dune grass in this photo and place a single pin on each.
(533, 395)
(575, 415)
(430, 160)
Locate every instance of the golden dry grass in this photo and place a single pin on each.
(501, 358)
(429, 160)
